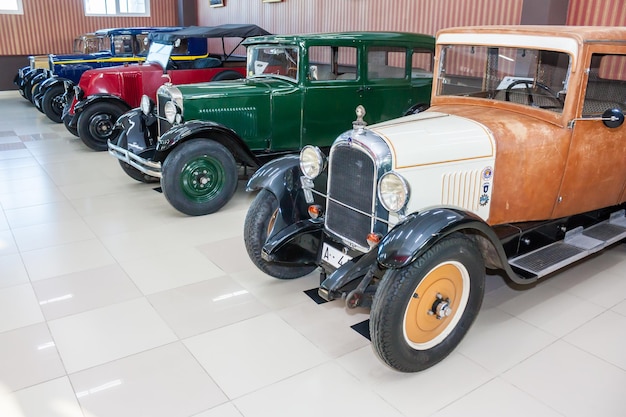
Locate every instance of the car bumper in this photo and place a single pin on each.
(132, 142)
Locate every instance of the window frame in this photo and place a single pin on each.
(117, 10)
(19, 10)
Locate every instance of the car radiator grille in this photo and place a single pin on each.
(351, 182)
(164, 125)
(133, 88)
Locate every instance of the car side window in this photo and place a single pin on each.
(422, 63)
(142, 44)
(606, 84)
(332, 63)
(123, 44)
(386, 62)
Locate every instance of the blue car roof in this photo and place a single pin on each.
(136, 30)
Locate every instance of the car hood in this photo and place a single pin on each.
(74, 57)
(243, 87)
(435, 137)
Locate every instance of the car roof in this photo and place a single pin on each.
(580, 33)
(135, 30)
(221, 31)
(345, 37)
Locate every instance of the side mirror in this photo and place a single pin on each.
(613, 118)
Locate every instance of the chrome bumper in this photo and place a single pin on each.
(144, 165)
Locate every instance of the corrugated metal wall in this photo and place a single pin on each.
(597, 13)
(307, 16)
(49, 26)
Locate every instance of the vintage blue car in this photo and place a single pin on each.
(118, 46)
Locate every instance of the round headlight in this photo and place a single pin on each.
(393, 192)
(170, 111)
(146, 105)
(312, 161)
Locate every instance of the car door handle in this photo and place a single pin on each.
(362, 89)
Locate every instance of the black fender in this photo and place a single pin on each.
(420, 231)
(53, 81)
(206, 129)
(281, 177)
(98, 98)
(138, 130)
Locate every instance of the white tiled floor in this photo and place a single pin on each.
(113, 304)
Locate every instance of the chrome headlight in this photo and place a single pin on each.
(170, 111)
(393, 192)
(146, 105)
(312, 161)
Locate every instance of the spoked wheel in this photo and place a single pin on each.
(199, 177)
(96, 123)
(259, 223)
(52, 102)
(421, 312)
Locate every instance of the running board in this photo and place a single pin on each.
(577, 244)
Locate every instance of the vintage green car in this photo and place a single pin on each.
(298, 90)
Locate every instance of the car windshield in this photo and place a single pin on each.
(273, 60)
(531, 77)
(160, 53)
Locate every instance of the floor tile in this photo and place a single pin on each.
(51, 234)
(604, 337)
(499, 341)
(50, 399)
(314, 393)
(416, 394)
(108, 333)
(29, 357)
(162, 382)
(224, 410)
(253, 354)
(326, 325)
(178, 267)
(620, 308)
(86, 290)
(65, 259)
(196, 308)
(497, 398)
(7, 243)
(550, 309)
(13, 271)
(18, 307)
(273, 292)
(227, 254)
(43, 213)
(577, 384)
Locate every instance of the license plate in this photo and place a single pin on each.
(333, 256)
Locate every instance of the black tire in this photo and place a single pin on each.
(96, 122)
(72, 130)
(52, 102)
(406, 331)
(257, 226)
(199, 177)
(227, 75)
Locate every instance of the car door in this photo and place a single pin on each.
(397, 79)
(333, 90)
(595, 174)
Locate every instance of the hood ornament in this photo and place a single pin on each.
(359, 124)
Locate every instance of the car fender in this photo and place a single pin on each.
(420, 231)
(51, 82)
(98, 98)
(137, 129)
(209, 130)
(281, 177)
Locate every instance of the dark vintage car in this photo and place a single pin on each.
(518, 166)
(103, 95)
(87, 43)
(118, 46)
(298, 90)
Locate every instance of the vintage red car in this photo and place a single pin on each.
(105, 94)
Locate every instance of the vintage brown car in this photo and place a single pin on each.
(519, 165)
